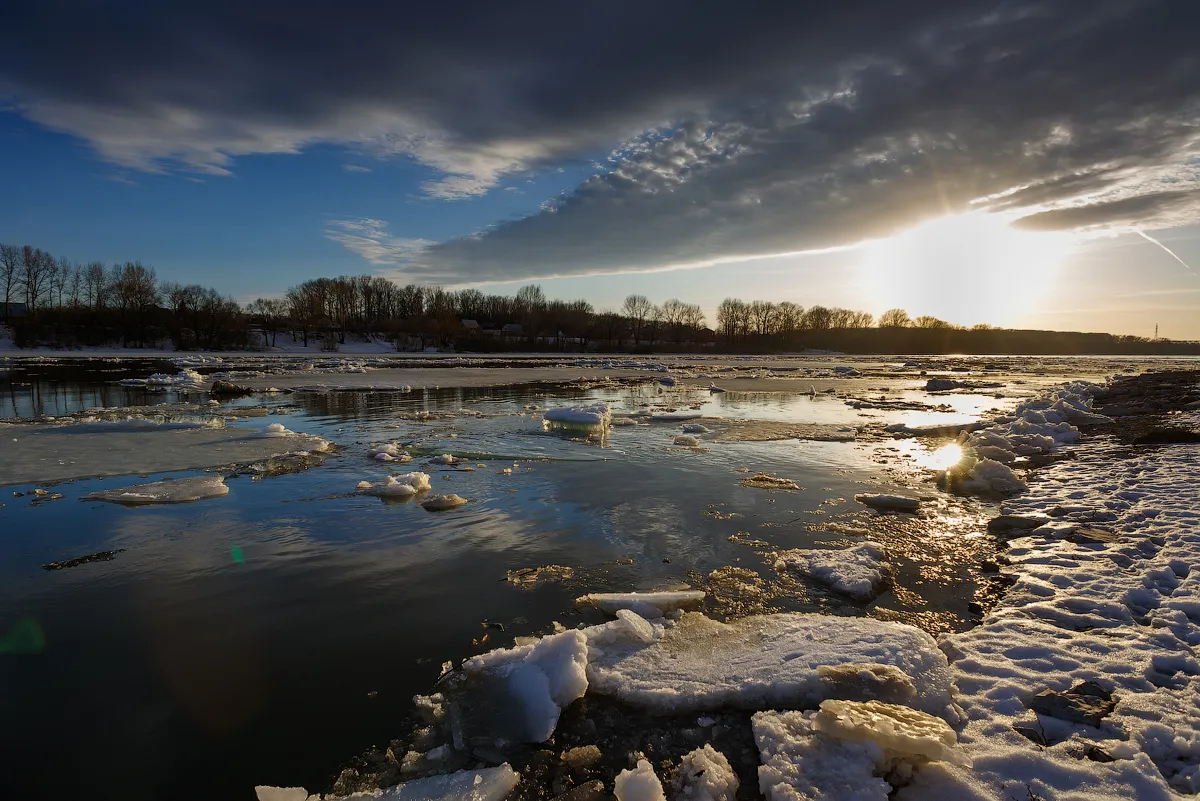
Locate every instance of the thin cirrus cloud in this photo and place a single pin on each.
(733, 131)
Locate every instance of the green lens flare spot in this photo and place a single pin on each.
(236, 553)
(25, 637)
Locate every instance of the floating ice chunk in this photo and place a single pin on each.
(639, 784)
(185, 379)
(636, 625)
(706, 775)
(542, 677)
(181, 490)
(880, 501)
(667, 381)
(695, 428)
(801, 764)
(898, 729)
(397, 486)
(761, 662)
(441, 503)
(674, 417)
(268, 793)
(276, 430)
(983, 477)
(595, 414)
(859, 572)
(647, 604)
(388, 452)
(444, 458)
(687, 441)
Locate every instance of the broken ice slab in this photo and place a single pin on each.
(35, 454)
(180, 490)
(646, 604)
(485, 784)
(762, 662)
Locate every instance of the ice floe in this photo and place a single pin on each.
(700, 664)
(442, 503)
(860, 571)
(594, 414)
(186, 379)
(543, 677)
(686, 441)
(647, 604)
(180, 490)
(403, 486)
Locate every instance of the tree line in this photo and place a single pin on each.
(52, 301)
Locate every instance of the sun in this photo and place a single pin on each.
(965, 269)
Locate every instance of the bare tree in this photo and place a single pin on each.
(637, 308)
(10, 272)
(895, 318)
(35, 274)
(928, 321)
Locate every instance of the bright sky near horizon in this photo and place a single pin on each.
(978, 161)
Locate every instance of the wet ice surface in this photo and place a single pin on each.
(267, 636)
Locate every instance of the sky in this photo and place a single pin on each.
(1022, 163)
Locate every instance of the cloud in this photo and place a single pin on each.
(370, 239)
(355, 168)
(731, 132)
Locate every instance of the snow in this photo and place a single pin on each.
(484, 784)
(594, 414)
(441, 503)
(686, 441)
(403, 486)
(543, 677)
(860, 571)
(706, 775)
(181, 490)
(880, 501)
(647, 604)
(1122, 614)
(639, 784)
(698, 664)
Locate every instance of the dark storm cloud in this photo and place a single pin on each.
(739, 130)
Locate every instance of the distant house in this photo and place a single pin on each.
(470, 325)
(512, 329)
(12, 309)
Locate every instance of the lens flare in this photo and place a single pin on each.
(946, 456)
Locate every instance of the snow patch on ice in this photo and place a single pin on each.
(594, 414)
(706, 775)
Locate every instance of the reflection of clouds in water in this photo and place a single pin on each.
(657, 528)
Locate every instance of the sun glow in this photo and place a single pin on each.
(945, 457)
(965, 269)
